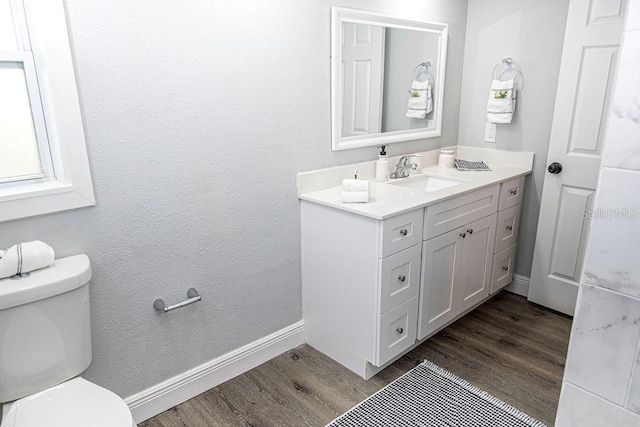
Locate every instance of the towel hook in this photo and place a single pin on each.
(509, 63)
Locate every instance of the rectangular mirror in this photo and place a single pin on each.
(387, 78)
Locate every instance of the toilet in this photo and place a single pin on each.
(45, 344)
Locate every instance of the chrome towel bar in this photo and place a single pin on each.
(192, 294)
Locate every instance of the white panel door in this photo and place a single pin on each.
(362, 74)
(441, 260)
(588, 68)
(477, 262)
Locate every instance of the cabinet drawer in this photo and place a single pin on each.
(458, 211)
(503, 266)
(511, 193)
(400, 232)
(396, 331)
(399, 278)
(508, 226)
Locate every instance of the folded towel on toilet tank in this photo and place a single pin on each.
(25, 257)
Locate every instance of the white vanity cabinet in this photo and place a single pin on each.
(507, 228)
(372, 289)
(361, 282)
(456, 265)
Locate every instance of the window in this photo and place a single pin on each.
(43, 159)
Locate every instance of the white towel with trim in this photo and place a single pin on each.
(502, 101)
(25, 257)
(419, 106)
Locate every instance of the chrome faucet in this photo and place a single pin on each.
(402, 168)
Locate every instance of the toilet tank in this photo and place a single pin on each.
(45, 327)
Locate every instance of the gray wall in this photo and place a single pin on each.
(197, 119)
(531, 32)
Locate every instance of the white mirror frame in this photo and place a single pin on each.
(340, 15)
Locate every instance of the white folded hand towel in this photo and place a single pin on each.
(25, 257)
(355, 196)
(356, 191)
(355, 185)
(502, 101)
(419, 106)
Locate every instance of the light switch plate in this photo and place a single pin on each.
(490, 132)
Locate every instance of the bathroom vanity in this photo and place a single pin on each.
(380, 278)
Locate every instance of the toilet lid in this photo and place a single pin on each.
(74, 403)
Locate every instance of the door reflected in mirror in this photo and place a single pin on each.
(387, 78)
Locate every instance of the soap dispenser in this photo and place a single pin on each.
(382, 165)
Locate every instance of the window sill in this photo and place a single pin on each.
(42, 198)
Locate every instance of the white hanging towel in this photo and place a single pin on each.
(502, 101)
(25, 257)
(420, 99)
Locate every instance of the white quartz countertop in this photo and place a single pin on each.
(389, 199)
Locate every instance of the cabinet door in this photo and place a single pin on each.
(441, 259)
(477, 260)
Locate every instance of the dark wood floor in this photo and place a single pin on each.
(508, 347)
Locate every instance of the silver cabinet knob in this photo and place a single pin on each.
(403, 231)
(470, 230)
(509, 227)
(399, 330)
(505, 268)
(402, 278)
(514, 191)
(463, 235)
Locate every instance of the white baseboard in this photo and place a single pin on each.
(182, 387)
(519, 286)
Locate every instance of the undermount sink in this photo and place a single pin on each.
(427, 183)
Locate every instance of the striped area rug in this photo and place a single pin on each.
(429, 396)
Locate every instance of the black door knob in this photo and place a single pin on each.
(555, 167)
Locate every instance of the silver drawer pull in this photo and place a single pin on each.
(463, 235)
(404, 231)
(399, 330)
(402, 278)
(470, 230)
(505, 268)
(514, 191)
(509, 227)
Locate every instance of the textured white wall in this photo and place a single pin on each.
(531, 32)
(198, 115)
